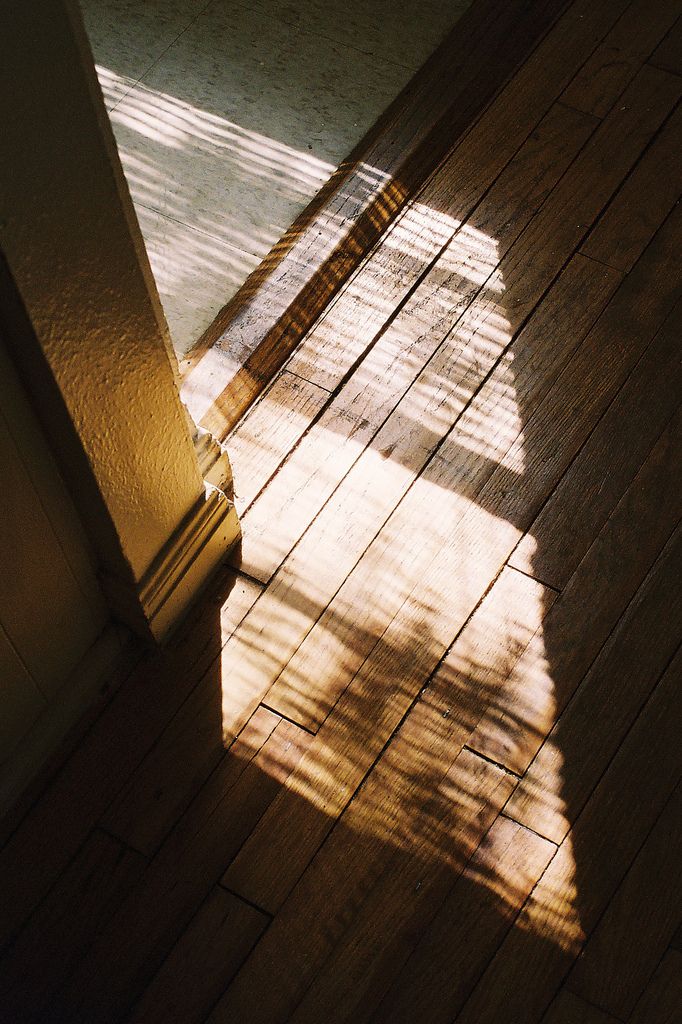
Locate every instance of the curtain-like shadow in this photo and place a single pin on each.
(384, 839)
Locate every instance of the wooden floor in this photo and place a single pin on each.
(419, 760)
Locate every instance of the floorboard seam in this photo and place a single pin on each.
(288, 718)
(495, 764)
(510, 817)
(244, 899)
(530, 575)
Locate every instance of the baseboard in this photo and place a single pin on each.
(202, 543)
(214, 462)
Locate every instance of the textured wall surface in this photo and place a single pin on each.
(73, 248)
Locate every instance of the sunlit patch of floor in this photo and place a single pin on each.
(364, 600)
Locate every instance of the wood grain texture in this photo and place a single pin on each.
(661, 1001)
(51, 946)
(635, 313)
(580, 623)
(570, 211)
(568, 1008)
(574, 891)
(524, 277)
(185, 753)
(615, 62)
(444, 596)
(334, 648)
(506, 145)
(627, 945)
(371, 875)
(454, 950)
(349, 986)
(120, 738)
(284, 296)
(391, 379)
(510, 400)
(642, 203)
(467, 680)
(202, 963)
(529, 94)
(114, 972)
(566, 768)
(269, 431)
(594, 483)
(668, 54)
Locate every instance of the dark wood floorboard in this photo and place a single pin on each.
(415, 755)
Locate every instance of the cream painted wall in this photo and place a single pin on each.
(73, 246)
(81, 311)
(88, 345)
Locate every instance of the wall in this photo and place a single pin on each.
(52, 611)
(85, 327)
(74, 249)
(96, 448)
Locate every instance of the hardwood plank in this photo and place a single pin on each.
(405, 898)
(429, 833)
(513, 731)
(676, 941)
(529, 94)
(350, 325)
(668, 55)
(335, 647)
(203, 961)
(480, 660)
(645, 199)
(478, 180)
(661, 1001)
(615, 62)
(574, 755)
(539, 253)
(594, 483)
(361, 414)
(266, 435)
(584, 191)
(476, 542)
(186, 751)
(282, 299)
(629, 941)
(530, 965)
(539, 257)
(22, 783)
(49, 948)
(90, 779)
(115, 971)
(337, 641)
(454, 950)
(568, 1008)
